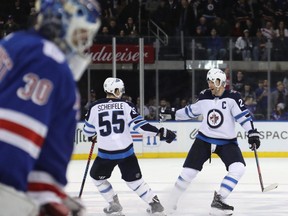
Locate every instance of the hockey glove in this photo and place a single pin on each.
(93, 138)
(69, 206)
(253, 139)
(166, 134)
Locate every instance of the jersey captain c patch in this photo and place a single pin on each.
(214, 118)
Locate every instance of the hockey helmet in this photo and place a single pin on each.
(217, 74)
(71, 24)
(111, 84)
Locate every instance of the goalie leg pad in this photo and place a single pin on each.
(10, 197)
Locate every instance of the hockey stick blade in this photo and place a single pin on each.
(270, 187)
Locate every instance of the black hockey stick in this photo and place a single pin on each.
(87, 168)
(263, 189)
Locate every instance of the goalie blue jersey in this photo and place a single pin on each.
(39, 105)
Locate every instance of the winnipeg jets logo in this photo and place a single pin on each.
(214, 118)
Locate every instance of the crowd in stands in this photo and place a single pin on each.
(251, 22)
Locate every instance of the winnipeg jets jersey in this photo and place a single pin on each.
(38, 109)
(219, 116)
(112, 120)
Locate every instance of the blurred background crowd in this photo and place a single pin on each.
(250, 23)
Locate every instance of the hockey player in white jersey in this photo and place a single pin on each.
(220, 109)
(111, 119)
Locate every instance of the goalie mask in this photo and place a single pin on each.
(217, 74)
(112, 84)
(72, 25)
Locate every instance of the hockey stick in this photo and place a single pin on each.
(87, 168)
(268, 188)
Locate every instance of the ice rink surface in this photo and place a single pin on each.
(161, 174)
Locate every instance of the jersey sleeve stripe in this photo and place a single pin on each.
(248, 119)
(187, 111)
(22, 131)
(139, 124)
(25, 120)
(241, 114)
(87, 124)
(135, 119)
(20, 142)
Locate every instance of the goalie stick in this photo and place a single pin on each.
(263, 189)
(87, 168)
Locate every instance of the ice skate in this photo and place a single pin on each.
(155, 207)
(114, 207)
(219, 208)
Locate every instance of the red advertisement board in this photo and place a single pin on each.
(102, 53)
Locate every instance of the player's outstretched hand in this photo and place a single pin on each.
(166, 134)
(253, 139)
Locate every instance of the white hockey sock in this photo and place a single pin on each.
(182, 183)
(235, 172)
(142, 189)
(105, 189)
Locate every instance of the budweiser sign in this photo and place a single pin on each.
(124, 54)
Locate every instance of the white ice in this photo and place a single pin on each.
(161, 174)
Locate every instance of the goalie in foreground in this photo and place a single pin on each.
(39, 106)
(220, 109)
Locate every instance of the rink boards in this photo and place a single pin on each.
(273, 135)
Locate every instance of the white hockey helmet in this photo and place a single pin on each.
(111, 84)
(217, 74)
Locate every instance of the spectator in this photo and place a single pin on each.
(268, 31)
(241, 11)
(259, 47)
(279, 113)
(209, 9)
(238, 83)
(251, 26)
(203, 26)
(215, 46)
(129, 26)
(166, 111)
(172, 16)
(186, 19)
(280, 48)
(278, 95)
(261, 94)
(113, 27)
(236, 31)
(281, 30)
(248, 91)
(222, 26)
(243, 45)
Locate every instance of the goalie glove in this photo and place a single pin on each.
(166, 134)
(69, 207)
(253, 139)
